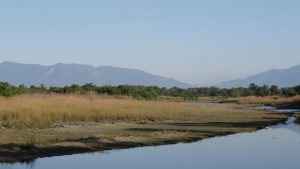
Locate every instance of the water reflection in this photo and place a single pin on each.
(26, 165)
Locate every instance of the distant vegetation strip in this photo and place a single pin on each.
(152, 92)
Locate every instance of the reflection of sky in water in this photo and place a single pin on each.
(272, 148)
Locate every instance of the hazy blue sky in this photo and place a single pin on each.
(190, 40)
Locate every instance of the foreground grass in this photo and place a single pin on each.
(42, 111)
(46, 125)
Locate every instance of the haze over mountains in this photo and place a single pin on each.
(281, 77)
(68, 74)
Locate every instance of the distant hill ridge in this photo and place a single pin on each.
(68, 74)
(281, 77)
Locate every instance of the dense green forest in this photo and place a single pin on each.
(152, 92)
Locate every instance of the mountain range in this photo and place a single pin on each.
(281, 77)
(68, 74)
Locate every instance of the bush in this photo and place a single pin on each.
(8, 90)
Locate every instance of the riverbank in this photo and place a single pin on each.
(297, 116)
(44, 126)
(275, 101)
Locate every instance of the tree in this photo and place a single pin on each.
(297, 89)
(274, 90)
(88, 87)
(253, 89)
(263, 91)
(6, 89)
(288, 92)
(253, 86)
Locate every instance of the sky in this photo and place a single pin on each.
(196, 41)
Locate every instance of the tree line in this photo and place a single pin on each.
(152, 92)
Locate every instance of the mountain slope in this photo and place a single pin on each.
(280, 77)
(68, 74)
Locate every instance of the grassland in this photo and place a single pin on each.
(46, 125)
(42, 111)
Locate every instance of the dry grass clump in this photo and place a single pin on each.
(45, 110)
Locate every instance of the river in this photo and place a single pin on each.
(276, 147)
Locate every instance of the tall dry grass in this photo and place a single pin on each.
(45, 110)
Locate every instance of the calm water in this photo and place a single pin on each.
(275, 147)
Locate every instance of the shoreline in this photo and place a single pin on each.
(17, 153)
